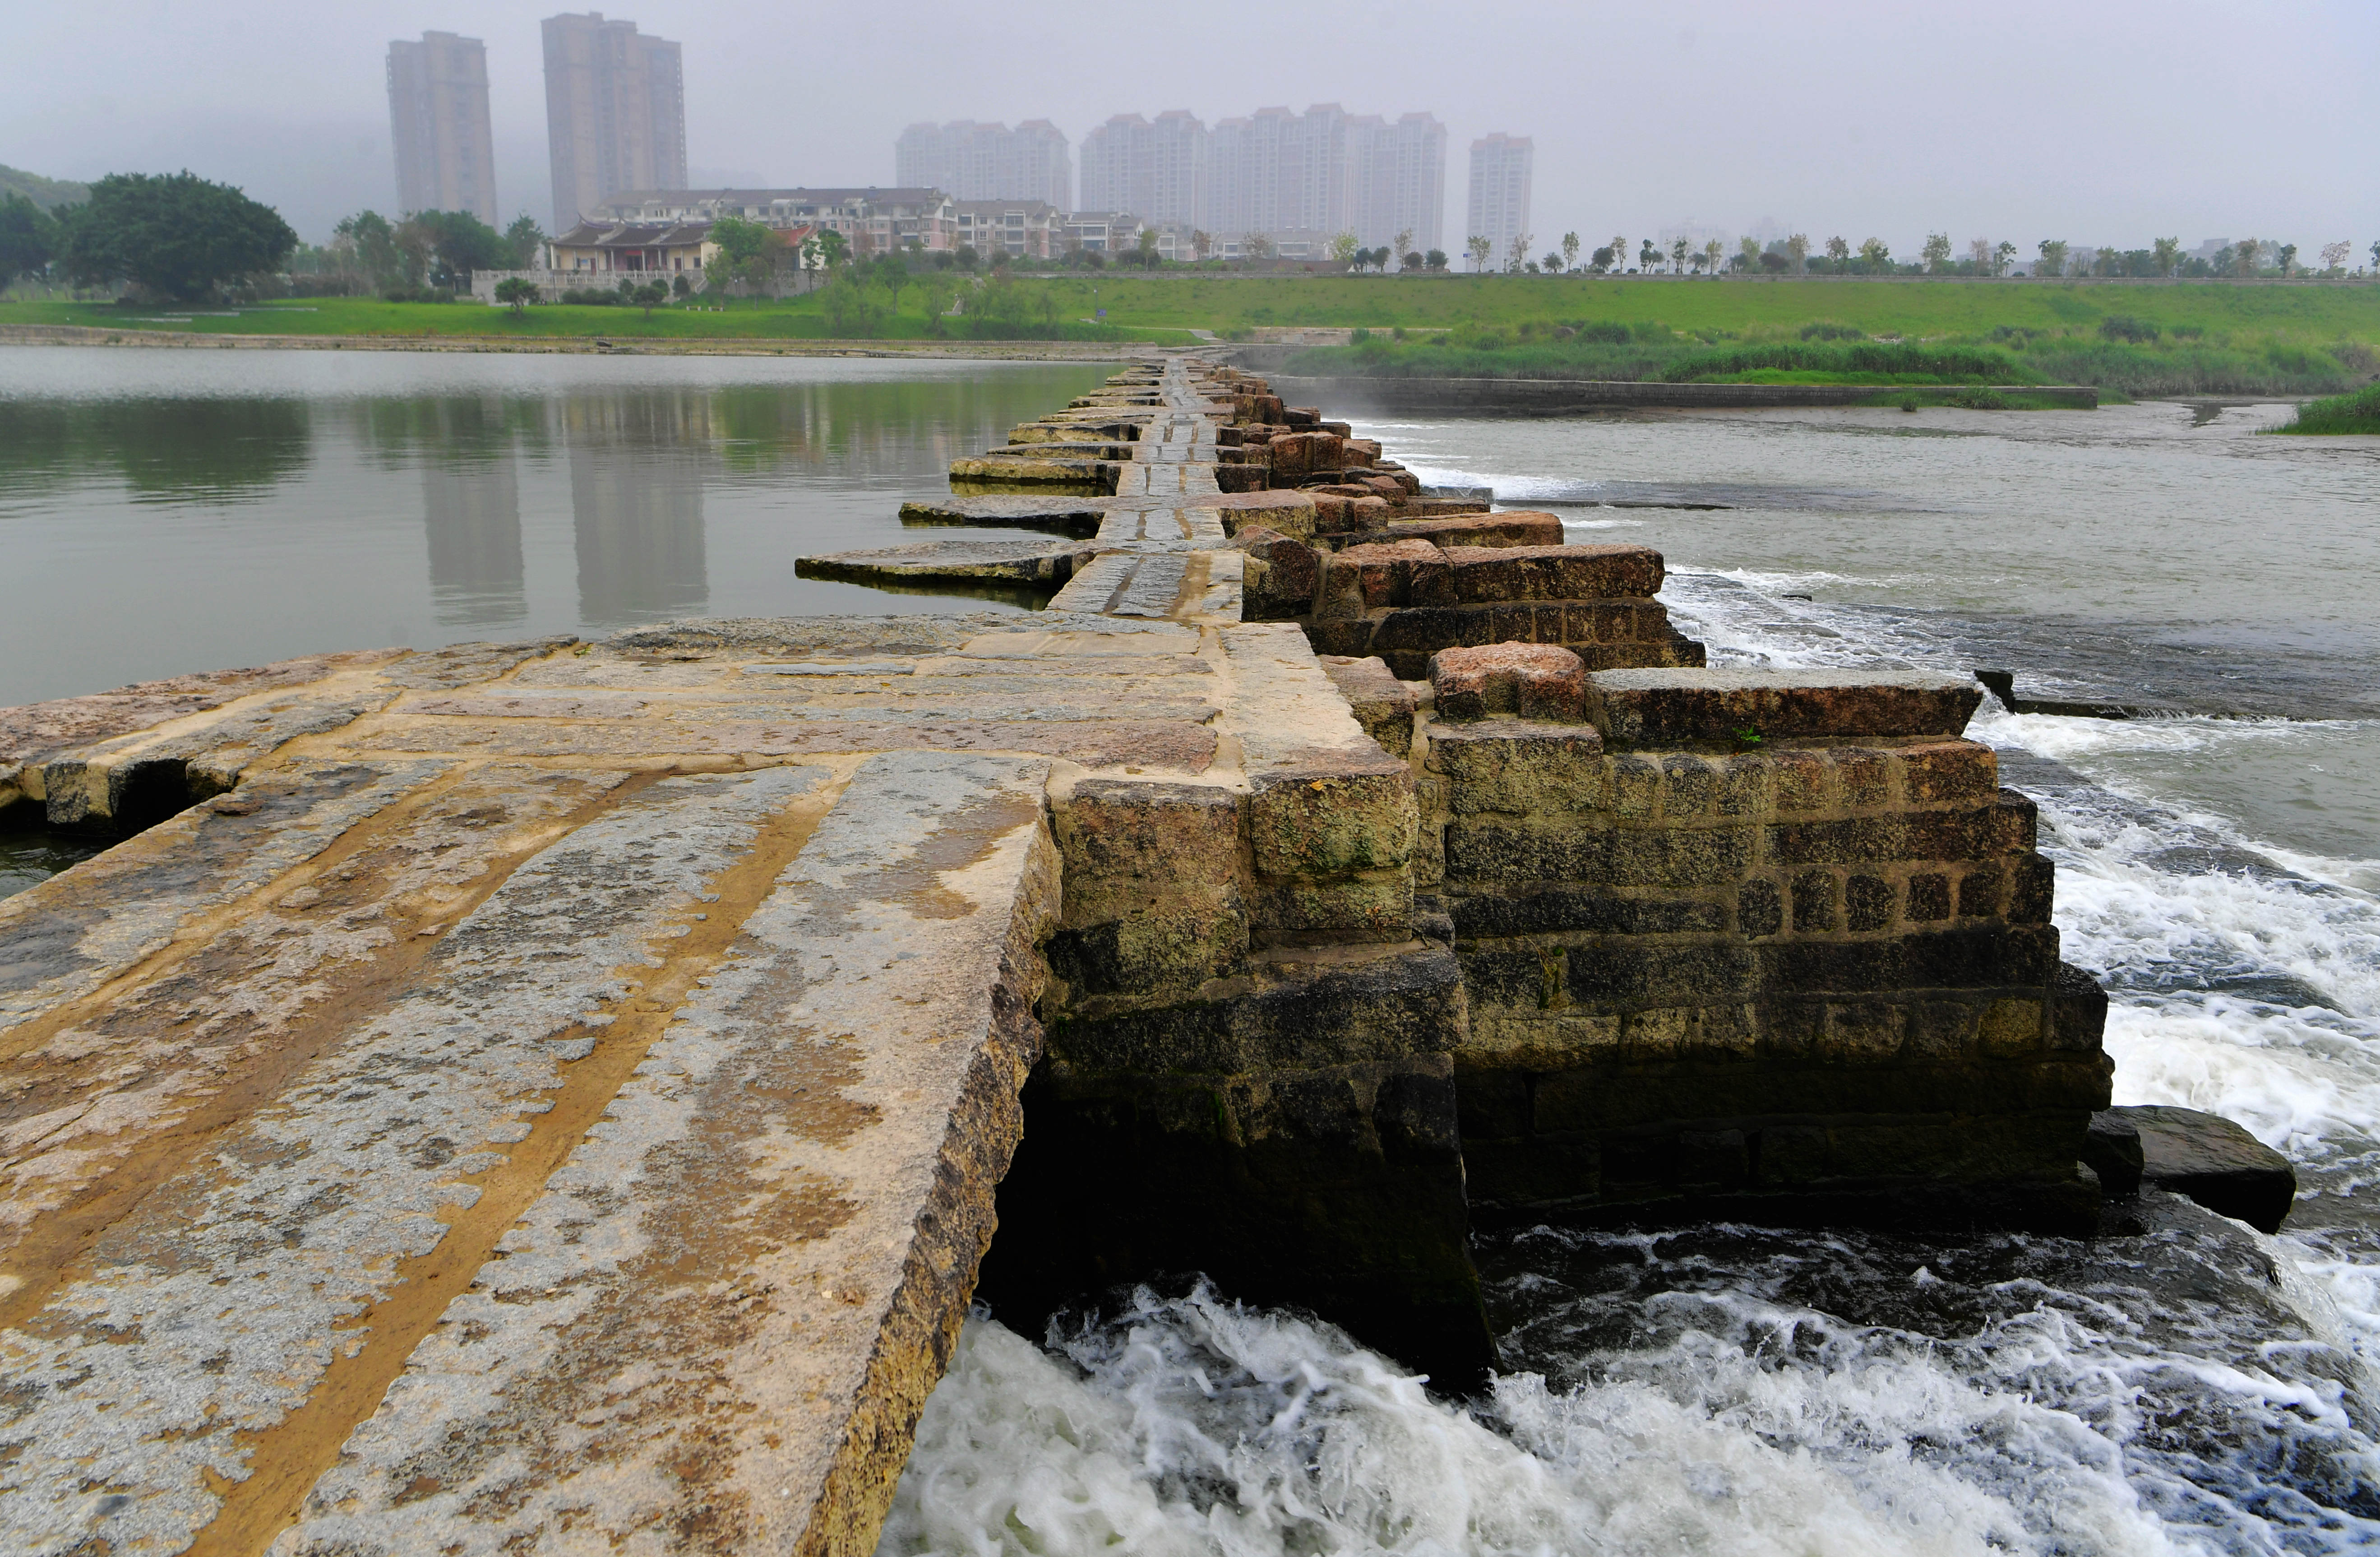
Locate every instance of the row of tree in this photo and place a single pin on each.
(2055, 257)
(430, 248)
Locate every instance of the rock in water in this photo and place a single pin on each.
(2113, 1151)
(2207, 1158)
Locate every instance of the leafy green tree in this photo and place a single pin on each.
(1342, 251)
(824, 250)
(2167, 254)
(888, 271)
(1600, 261)
(1647, 256)
(1479, 249)
(1797, 248)
(29, 239)
(1747, 253)
(521, 242)
(445, 247)
(1876, 255)
(2003, 255)
(2376, 256)
(367, 244)
(2285, 256)
(648, 296)
(1435, 260)
(1569, 248)
(681, 287)
(2247, 254)
(1711, 251)
(174, 233)
(2053, 256)
(516, 292)
(1839, 251)
(1937, 253)
(1678, 257)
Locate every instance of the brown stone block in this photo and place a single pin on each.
(1867, 777)
(1744, 788)
(1979, 893)
(1342, 637)
(1814, 903)
(1372, 577)
(2017, 820)
(1635, 976)
(2031, 890)
(1125, 835)
(1929, 897)
(1534, 681)
(1375, 903)
(1649, 708)
(1382, 703)
(1689, 787)
(1636, 788)
(1492, 848)
(2012, 1026)
(2078, 1011)
(1869, 1030)
(1502, 976)
(1759, 908)
(1477, 576)
(1281, 577)
(1407, 639)
(1321, 823)
(1507, 529)
(1805, 780)
(1949, 772)
(1571, 909)
(1504, 765)
(1298, 455)
(1867, 902)
(1941, 1029)
(1678, 858)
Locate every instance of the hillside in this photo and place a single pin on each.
(47, 193)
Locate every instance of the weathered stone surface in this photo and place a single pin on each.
(1510, 527)
(2112, 1150)
(1283, 584)
(1655, 708)
(1360, 579)
(966, 562)
(34, 730)
(2213, 1161)
(1383, 704)
(1530, 680)
(1482, 575)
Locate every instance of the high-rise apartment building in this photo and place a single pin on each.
(1157, 172)
(438, 117)
(1398, 178)
(614, 112)
(1326, 172)
(987, 161)
(1498, 208)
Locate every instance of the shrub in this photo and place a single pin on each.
(2358, 412)
(1828, 330)
(1606, 331)
(2124, 327)
(590, 297)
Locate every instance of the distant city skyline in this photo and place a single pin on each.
(1845, 122)
(1503, 169)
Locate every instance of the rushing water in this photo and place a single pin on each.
(169, 511)
(2190, 1388)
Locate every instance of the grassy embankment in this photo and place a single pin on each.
(2211, 337)
(2358, 412)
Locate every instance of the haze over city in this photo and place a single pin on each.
(2103, 124)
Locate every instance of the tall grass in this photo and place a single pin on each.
(2358, 412)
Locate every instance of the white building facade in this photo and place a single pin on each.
(1498, 208)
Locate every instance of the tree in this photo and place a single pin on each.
(1619, 252)
(1747, 253)
(176, 234)
(1256, 246)
(521, 242)
(2167, 254)
(1600, 261)
(1479, 249)
(516, 292)
(1435, 260)
(1413, 260)
(1552, 263)
(2334, 256)
(1569, 248)
(1678, 256)
(1647, 256)
(1517, 254)
(368, 242)
(1711, 251)
(2003, 255)
(29, 237)
(1936, 251)
(681, 288)
(1774, 263)
(1839, 251)
(1979, 255)
(1798, 247)
(2053, 256)
(648, 296)
(2248, 255)
(1875, 253)
(1148, 249)
(2376, 256)
(1343, 248)
(445, 247)
(1403, 244)
(892, 274)
(824, 250)
(1201, 241)
(2285, 256)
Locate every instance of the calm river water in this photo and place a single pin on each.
(1717, 1389)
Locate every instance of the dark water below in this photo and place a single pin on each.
(171, 511)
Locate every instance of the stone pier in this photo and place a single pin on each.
(560, 1095)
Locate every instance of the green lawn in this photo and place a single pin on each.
(2209, 337)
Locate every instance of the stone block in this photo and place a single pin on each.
(1496, 848)
(1322, 823)
(1867, 904)
(1622, 974)
(1298, 910)
(1523, 769)
(2214, 1163)
(1507, 529)
(2078, 1011)
(1373, 577)
(1130, 837)
(1296, 455)
(1383, 704)
(1566, 909)
(1759, 908)
(1534, 681)
(1477, 575)
(1281, 577)
(1948, 772)
(1672, 707)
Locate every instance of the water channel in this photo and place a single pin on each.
(1720, 1389)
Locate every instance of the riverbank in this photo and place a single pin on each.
(1499, 396)
(603, 346)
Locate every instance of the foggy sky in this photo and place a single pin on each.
(2112, 122)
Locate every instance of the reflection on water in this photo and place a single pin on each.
(169, 511)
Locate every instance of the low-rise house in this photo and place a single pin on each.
(608, 247)
(1022, 228)
(872, 221)
(1102, 232)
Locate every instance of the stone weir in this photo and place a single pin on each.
(559, 1095)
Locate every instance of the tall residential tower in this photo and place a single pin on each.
(1501, 169)
(438, 117)
(977, 162)
(614, 112)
